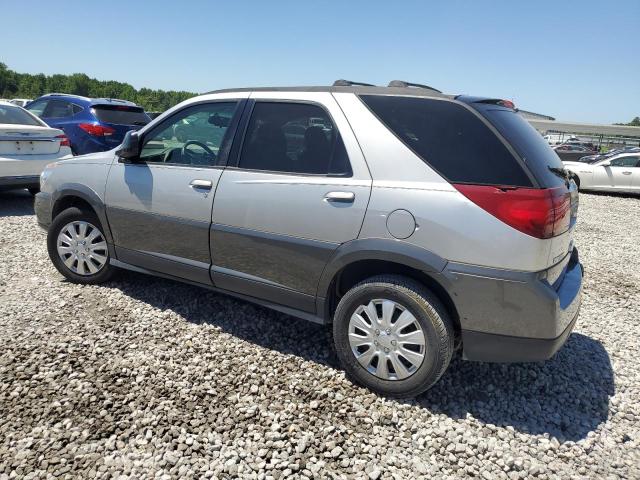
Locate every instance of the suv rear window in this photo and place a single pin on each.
(527, 142)
(449, 138)
(121, 115)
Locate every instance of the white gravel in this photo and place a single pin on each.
(147, 378)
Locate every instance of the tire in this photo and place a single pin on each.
(80, 269)
(33, 190)
(576, 179)
(430, 317)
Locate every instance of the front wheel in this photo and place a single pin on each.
(78, 248)
(393, 336)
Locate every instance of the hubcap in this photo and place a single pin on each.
(386, 339)
(82, 248)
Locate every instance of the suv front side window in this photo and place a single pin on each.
(295, 138)
(193, 136)
(38, 107)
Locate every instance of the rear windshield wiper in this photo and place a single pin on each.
(561, 172)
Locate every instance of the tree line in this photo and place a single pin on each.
(25, 85)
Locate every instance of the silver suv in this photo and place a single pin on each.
(415, 223)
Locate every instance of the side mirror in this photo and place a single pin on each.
(606, 164)
(129, 150)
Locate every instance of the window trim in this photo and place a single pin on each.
(234, 158)
(227, 139)
(534, 181)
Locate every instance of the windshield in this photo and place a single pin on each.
(16, 116)
(121, 115)
(543, 162)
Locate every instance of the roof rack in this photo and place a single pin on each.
(349, 83)
(61, 94)
(403, 84)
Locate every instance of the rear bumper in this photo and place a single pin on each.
(24, 181)
(42, 207)
(515, 316)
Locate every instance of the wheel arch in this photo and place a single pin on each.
(361, 259)
(81, 196)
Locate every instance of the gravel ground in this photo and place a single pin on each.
(144, 377)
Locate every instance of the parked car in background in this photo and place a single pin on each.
(412, 221)
(572, 152)
(558, 138)
(27, 144)
(92, 124)
(609, 154)
(21, 102)
(617, 173)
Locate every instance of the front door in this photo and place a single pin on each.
(618, 175)
(159, 207)
(298, 189)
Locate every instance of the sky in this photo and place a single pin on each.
(573, 60)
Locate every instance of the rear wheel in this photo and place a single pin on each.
(393, 336)
(78, 248)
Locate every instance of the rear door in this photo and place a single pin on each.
(58, 114)
(295, 189)
(159, 207)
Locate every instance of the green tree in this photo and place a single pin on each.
(24, 85)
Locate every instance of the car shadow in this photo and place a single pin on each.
(15, 203)
(566, 397)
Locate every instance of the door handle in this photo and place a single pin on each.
(626, 173)
(202, 184)
(340, 197)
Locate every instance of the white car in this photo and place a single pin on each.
(27, 145)
(620, 173)
(21, 102)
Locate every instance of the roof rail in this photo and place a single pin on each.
(349, 83)
(403, 84)
(61, 94)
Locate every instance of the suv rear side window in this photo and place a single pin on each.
(121, 114)
(534, 150)
(58, 109)
(449, 138)
(293, 138)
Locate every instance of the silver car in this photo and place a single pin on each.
(415, 223)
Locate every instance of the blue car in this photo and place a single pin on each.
(91, 124)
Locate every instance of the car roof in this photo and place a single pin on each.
(91, 101)
(356, 89)
(9, 104)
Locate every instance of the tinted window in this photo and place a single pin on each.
(37, 107)
(532, 148)
(121, 114)
(625, 162)
(293, 138)
(193, 136)
(16, 116)
(58, 109)
(450, 138)
(76, 108)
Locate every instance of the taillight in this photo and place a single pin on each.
(97, 130)
(64, 140)
(541, 213)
